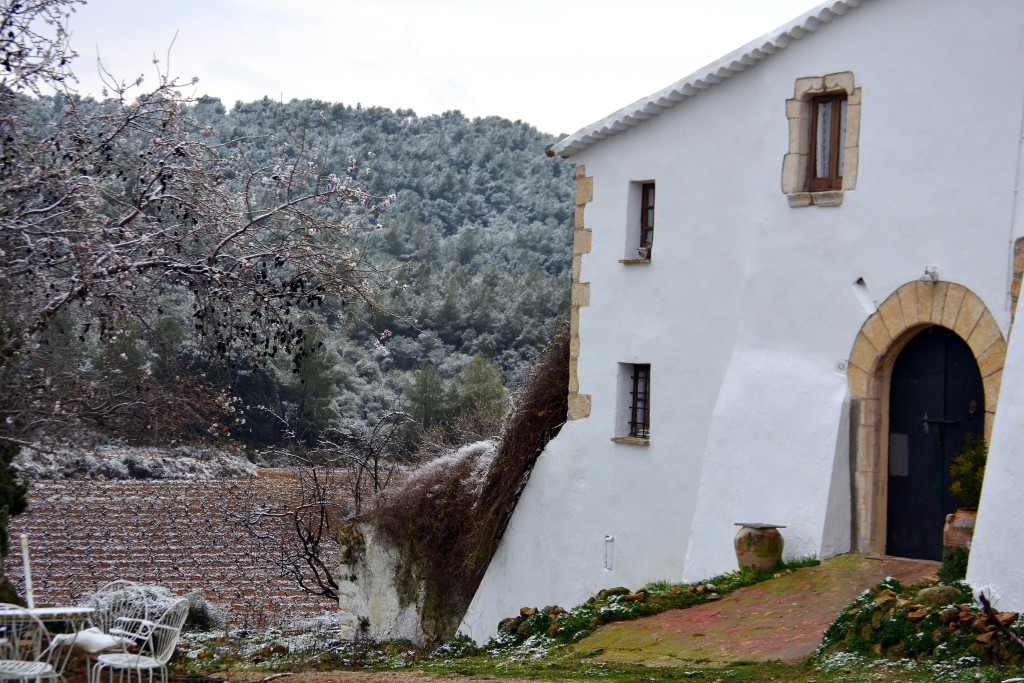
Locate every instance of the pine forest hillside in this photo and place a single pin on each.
(474, 255)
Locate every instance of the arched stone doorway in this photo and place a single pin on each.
(909, 310)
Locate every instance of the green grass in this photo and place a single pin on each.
(562, 663)
(541, 647)
(621, 604)
(879, 622)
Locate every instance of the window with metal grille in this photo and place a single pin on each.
(828, 136)
(647, 217)
(639, 402)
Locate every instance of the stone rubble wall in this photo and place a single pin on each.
(380, 595)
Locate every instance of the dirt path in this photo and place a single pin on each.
(783, 619)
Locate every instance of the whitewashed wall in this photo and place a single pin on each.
(997, 553)
(749, 305)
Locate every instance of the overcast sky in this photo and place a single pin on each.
(556, 64)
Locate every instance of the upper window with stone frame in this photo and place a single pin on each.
(824, 140)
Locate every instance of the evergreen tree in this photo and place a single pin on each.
(480, 386)
(473, 255)
(426, 395)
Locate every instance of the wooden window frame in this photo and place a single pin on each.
(640, 401)
(834, 179)
(647, 199)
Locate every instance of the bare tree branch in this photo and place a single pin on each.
(993, 619)
(298, 535)
(116, 216)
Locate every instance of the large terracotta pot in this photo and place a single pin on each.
(959, 529)
(758, 546)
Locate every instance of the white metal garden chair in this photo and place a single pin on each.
(121, 609)
(153, 653)
(26, 653)
(116, 602)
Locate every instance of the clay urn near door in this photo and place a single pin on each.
(967, 472)
(758, 545)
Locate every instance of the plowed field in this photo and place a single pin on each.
(173, 533)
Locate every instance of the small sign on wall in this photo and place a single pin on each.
(841, 366)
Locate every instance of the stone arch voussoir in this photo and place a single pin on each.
(911, 308)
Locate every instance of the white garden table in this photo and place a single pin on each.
(29, 652)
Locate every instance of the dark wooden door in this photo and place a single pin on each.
(936, 399)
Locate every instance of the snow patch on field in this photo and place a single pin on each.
(114, 462)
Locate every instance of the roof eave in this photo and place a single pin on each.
(706, 77)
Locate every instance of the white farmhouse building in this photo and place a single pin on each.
(794, 283)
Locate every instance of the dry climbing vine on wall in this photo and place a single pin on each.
(450, 520)
(537, 419)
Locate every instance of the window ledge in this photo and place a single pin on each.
(634, 261)
(631, 440)
(822, 198)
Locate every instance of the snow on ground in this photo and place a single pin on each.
(123, 462)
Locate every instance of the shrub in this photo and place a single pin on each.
(968, 471)
(202, 616)
(887, 621)
(954, 565)
(459, 646)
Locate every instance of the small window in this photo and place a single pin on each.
(639, 233)
(633, 404)
(828, 135)
(639, 402)
(646, 220)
